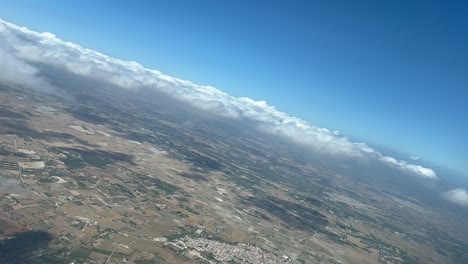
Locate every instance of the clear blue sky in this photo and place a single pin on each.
(392, 73)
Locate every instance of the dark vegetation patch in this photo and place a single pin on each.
(117, 156)
(441, 252)
(308, 199)
(293, 214)
(87, 115)
(255, 152)
(286, 166)
(189, 209)
(194, 176)
(102, 251)
(313, 201)
(72, 161)
(52, 134)
(45, 180)
(80, 255)
(200, 160)
(21, 248)
(10, 114)
(182, 198)
(59, 135)
(179, 214)
(250, 183)
(23, 130)
(159, 184)
(123, 189)
(6, 152)
(375, 242)
(343, 210)
(262, 215)
(178, 144)
(19, 128)
(76, 158)
(446, 243)
(264, 170)
(96, 161)
(179, 234)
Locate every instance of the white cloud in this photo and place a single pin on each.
(458, 196)
(16, 71)
(419, 170)
(415, 158)
(29, 46)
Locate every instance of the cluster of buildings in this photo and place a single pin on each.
(223, 252)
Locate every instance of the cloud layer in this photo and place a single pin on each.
(20, 47)
(458, 196)
(14, 70)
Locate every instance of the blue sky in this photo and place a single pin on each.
(393, 74)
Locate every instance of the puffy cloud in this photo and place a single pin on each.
(29, 46)
(419, 170)
(458, 196)
(16, 71)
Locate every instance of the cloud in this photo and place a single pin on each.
(458, 196)
(16, 71)
(27, 46)
(419, 170)
(415, 158)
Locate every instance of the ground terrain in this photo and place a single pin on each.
(100, 178)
